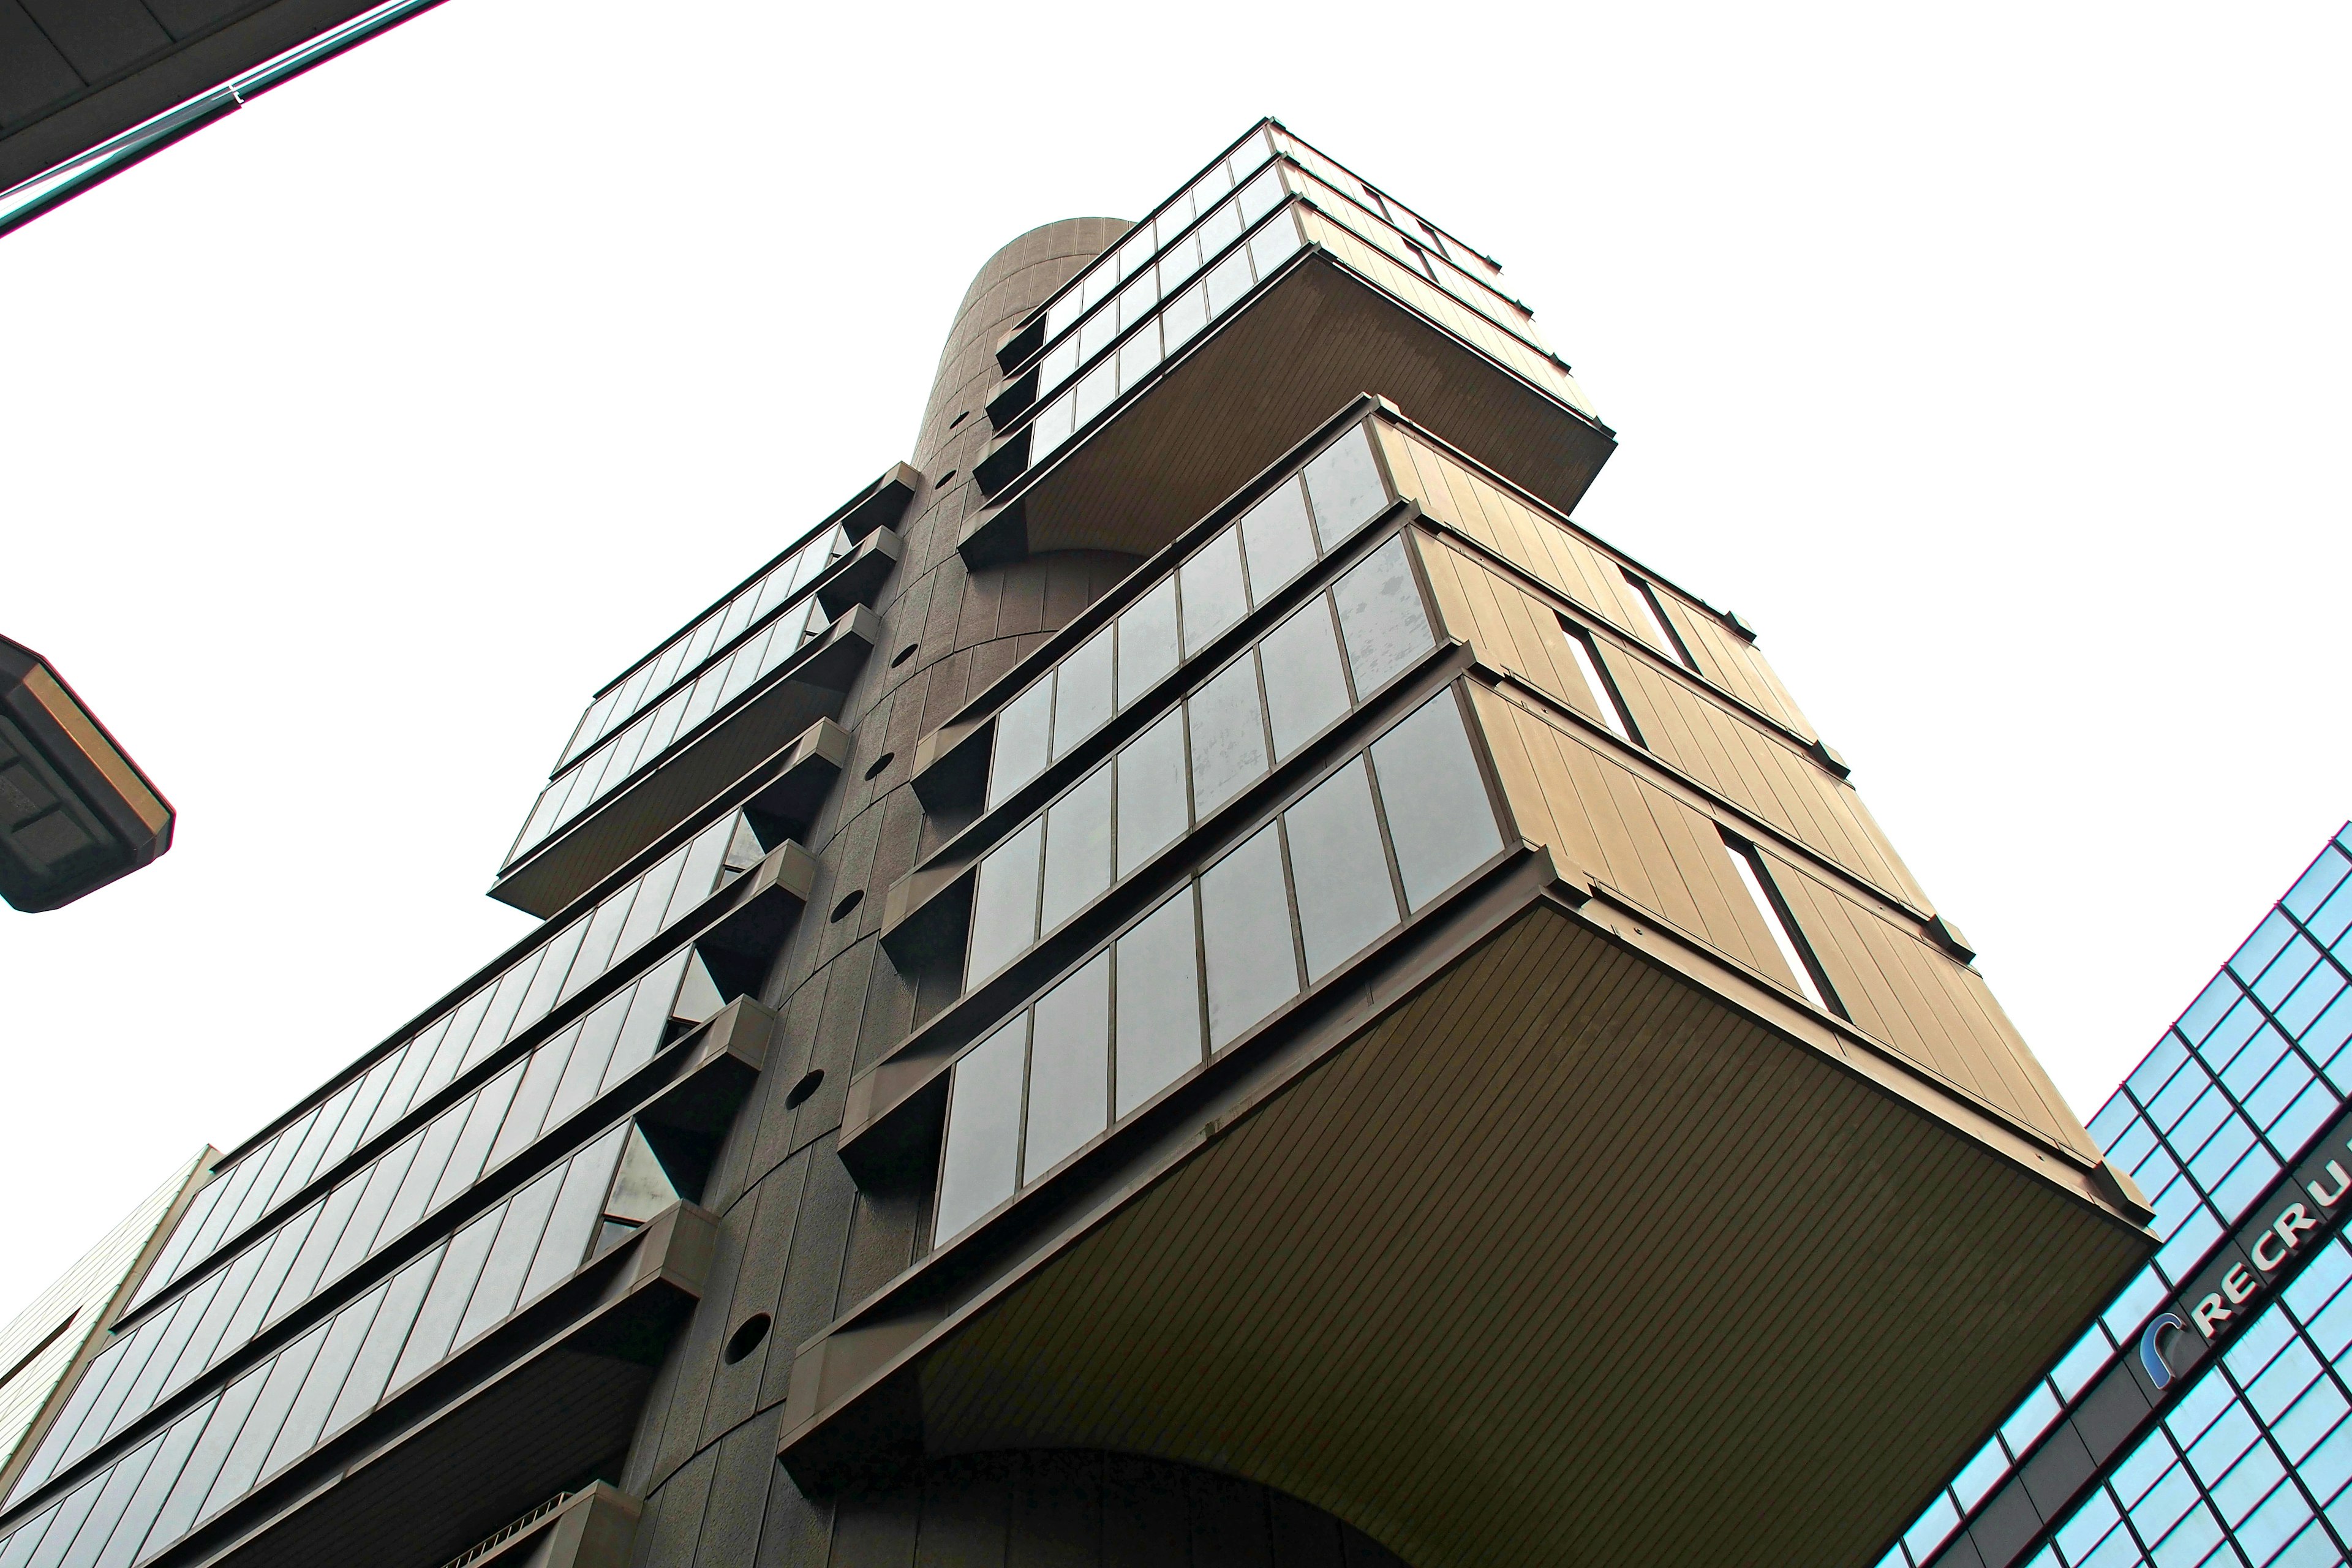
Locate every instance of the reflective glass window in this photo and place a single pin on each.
(1441, 822)
(1306, 684)
(1146, 641)
(1228, 734)
(979, 1166)
(1214, 596)
(1004, 902)
(1078, 848)
(1340, 869)
(1380, 616)
(1344, 484)
(1023, 727)
(1152, 812)
(1246, 919)
(1082, 700)
(1277, 538)
(1069, 1067)
(1159, 1002)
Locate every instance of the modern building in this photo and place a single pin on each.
(1196, 974)
(2200, 1419)
(45, 1347)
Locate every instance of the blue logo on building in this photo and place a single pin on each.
(2151, 1351)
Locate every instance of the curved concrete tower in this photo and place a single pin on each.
(1195, 975)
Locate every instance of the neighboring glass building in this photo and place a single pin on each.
(2201, 1418)
(1193, 974)
(48, 1343)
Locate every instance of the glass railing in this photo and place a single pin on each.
(369, 1209)
(541, 980)
(1306, 675)
(1335, 493)
(1381, 837)
(620, 759)
(685, 654)
(380, 1344)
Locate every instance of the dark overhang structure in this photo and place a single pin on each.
(88, 88)
(75, 811)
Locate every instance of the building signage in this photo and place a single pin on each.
(2272, 1244)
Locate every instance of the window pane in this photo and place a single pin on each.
(453, 1286)
(386, 1336)
(1151, 809)
(1019, 755)
(345, 1334)
(1345, 487)
(1214, 596)
(1279, 543)
(1146, 641)
(1228, 280)
(1438, 814)
(511, 1256)
(1345, 898)
(1004, 902)
(1228, 735)
(1069, 1067)
(285, 1381)
(1137, 356)
(1382, 617)
(1095, 390)
(1077, 848)
(1159, 1002)
(529, 1111)
(977, 1169)
(1305, 687)
(596, 948)
(578, 1208)
(1082, 692)
(1604, 700)
(1186, 314)
(1247, 918)
(204, 1465)
(489, 1111)
(652, 904)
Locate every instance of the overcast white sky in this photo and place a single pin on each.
(1990, 360)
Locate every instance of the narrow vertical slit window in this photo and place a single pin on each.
(1604, 691)
(1653, 621)
(1795, 951)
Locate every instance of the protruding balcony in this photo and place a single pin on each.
(742, 738)
(1303, 313)
(1620, 1165)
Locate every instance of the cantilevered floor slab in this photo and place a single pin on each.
(1563, 1259)
(1312, 337)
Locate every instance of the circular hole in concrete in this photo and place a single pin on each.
(884, 761)
(959, 418)
(841, 910)
(811, 1081)
(902, 656)
(944, 480)
(746, 1340)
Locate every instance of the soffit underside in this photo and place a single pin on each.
(1564, 1261)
